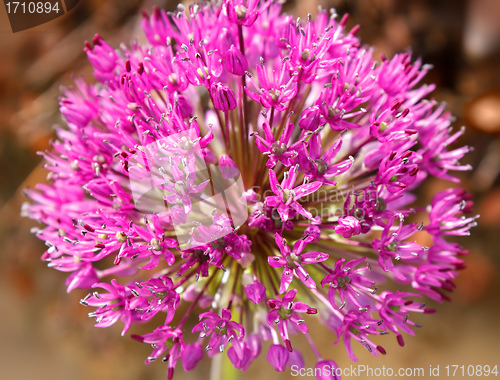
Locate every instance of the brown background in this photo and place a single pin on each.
(46, 334)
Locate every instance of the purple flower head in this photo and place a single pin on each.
(279, 150)
(284, 311)
(349, 282)
(214, 175)
(357, 326)
(323, 166)
(164, 340)
(286, 200)
(292, 261)
(273, 90)
(394, 309)
(391, 245)
(221, 331)
(446, 216)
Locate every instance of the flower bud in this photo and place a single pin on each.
(236, 63)
(255, 292)
(191, 356)
(348, 226)
(240, 361)
(82, 279)
(254, 345)
(310, 118)
(227, 167)
(222, 97)
(326, 370)
(296, 359)
(184, 107)
(277, 356)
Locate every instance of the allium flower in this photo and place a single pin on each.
(320, 148)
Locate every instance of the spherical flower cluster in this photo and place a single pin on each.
(260, 170)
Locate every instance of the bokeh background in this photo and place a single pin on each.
(46, 334)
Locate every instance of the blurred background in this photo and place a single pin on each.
(46, 334)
